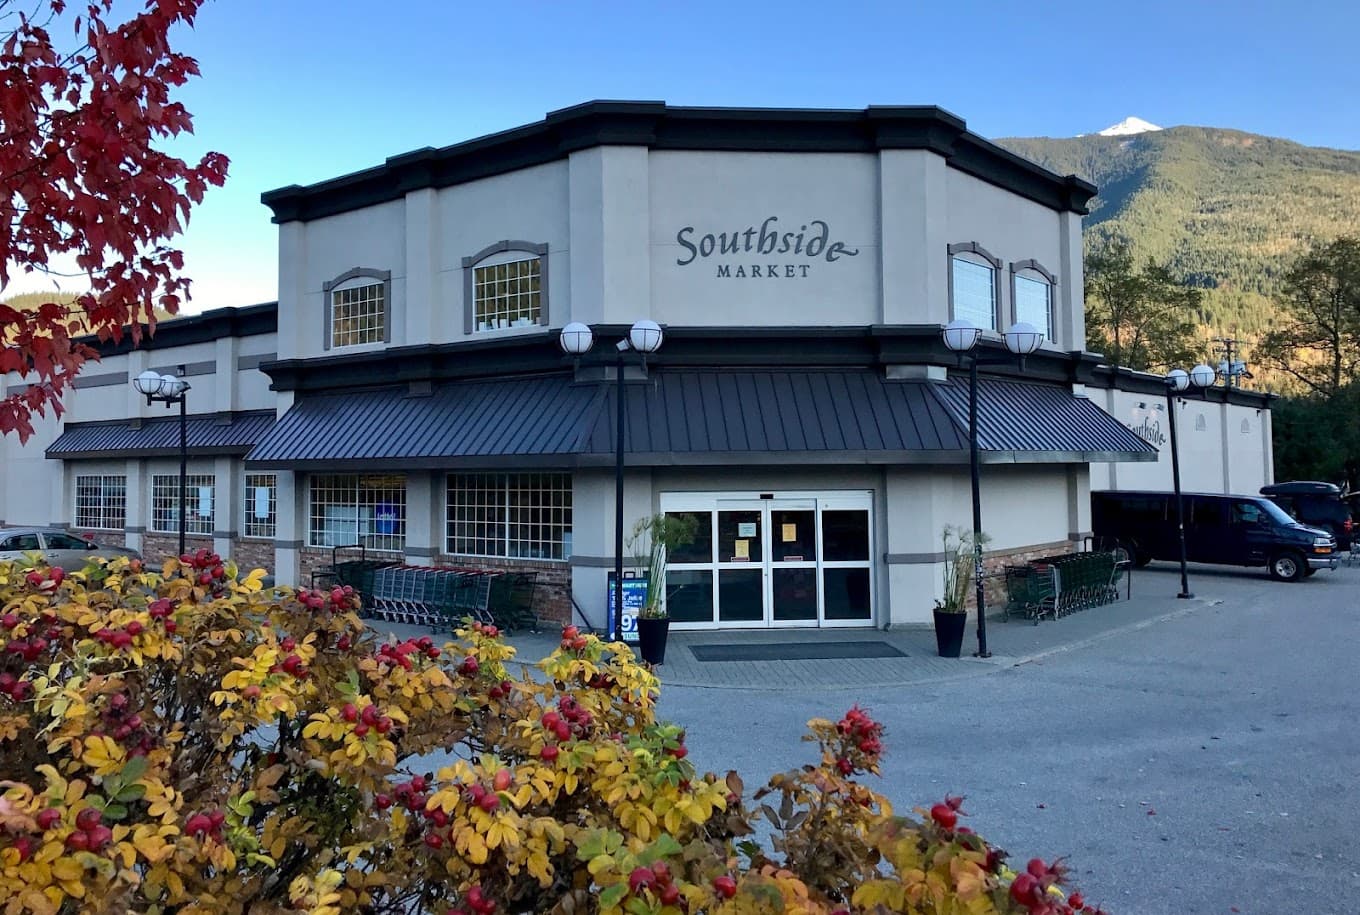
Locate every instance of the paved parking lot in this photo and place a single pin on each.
(1186, 756)
(1203, 761)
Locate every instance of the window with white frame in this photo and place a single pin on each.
(1032, 289)
(972, 285)
(505, 285)
(358, 315)
(507, 295)
(509, 515)
(101, 501)
(261, 505)
(358, 304)
(358, 509)
(199, 496)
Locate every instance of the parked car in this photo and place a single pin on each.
(1228, 530)
(58, 547)
(1316, 505)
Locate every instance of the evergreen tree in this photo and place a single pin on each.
(1318, 343)
(1139, 317)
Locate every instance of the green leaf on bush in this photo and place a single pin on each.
(664, 847)
(133, 769)
(610, 895)
(130, 794)
(115, 811)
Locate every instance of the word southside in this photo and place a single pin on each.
(766, 240)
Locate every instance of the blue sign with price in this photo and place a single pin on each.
(634, 596)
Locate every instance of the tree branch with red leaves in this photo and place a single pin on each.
(81, 179)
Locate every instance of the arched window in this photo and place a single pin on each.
(973, 289)
(1032, 293)
(358, 307)
(505, 285)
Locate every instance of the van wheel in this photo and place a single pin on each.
(1287, 567)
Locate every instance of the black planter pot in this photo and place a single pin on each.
(652, 635)
(949, 633)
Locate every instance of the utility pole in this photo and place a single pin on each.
(1231, 369)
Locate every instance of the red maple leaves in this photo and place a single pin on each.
(82, 181)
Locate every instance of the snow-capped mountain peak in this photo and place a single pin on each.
(1128, 127)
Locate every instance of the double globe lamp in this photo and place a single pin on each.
(1178, 381)
(962, 337)
(170, 389)
(644, 338)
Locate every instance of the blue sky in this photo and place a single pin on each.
(296, 91)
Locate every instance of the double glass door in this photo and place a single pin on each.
(788, 562)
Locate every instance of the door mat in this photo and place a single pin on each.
(794, 651)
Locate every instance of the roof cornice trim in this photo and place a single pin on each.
(656, 125)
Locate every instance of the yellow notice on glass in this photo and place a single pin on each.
(789, 532)
(742, 550)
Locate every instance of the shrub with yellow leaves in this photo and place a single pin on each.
(186, 741)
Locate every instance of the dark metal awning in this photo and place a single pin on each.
(233, 433)
(1027, 422)
(694, 417)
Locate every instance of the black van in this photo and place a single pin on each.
(1316, 505)
(1229, 530)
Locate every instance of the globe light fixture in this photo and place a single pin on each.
(645, 336)
(1177, 380)
(148, 383)
(960, 336)
(1023, 338)
(1202, 376)
(576, 339)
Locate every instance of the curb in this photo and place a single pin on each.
(1191, 606)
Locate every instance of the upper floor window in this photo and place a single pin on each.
(358, 307)
(506, 285)
(972, 285)
(1033, 294)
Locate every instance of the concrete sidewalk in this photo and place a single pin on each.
(1011, 643)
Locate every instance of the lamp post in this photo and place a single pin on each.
(644, 337)
(962, 337)
(170, 389)
(1178, 381)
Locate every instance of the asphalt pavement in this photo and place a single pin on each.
(1186, 756)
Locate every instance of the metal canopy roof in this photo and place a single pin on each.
(206, 435)
(694, 417)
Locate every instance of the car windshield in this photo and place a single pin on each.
(1277, 514)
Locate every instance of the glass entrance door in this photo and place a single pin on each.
(799, 560)
(793, 599)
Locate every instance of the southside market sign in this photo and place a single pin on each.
(810, 244)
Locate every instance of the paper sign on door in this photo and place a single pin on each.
(746, 529)
(742, 550)
(789, 532)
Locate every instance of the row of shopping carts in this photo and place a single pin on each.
(434, 596)
(1055, 586)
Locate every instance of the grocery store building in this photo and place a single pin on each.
(407, 390)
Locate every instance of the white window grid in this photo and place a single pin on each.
(362, 509)
(255, 526)
(165, 503)
(101, 501)
(507, 295)
(509, 515)
(1034, 304)
(358, 315)
(974, 292)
